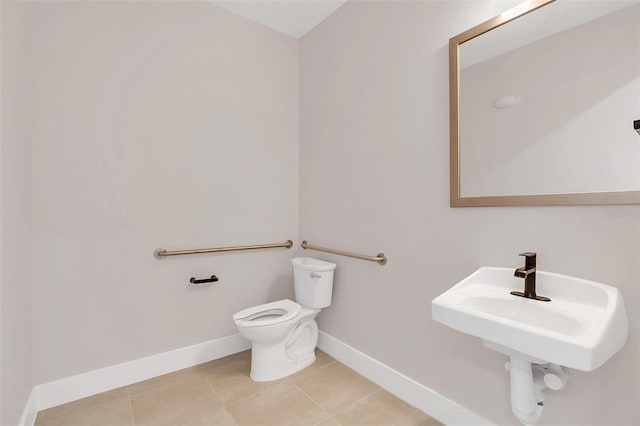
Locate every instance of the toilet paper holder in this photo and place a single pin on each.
(213, 279)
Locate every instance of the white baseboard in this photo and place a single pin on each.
(410, 391)
(83, 385)
(30, 410)
(69, 389)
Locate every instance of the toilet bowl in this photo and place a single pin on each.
(284, 334)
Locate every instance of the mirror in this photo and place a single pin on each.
(543, 101)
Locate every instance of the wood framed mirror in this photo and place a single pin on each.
(543, 100)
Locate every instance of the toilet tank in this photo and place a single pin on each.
(313, 281)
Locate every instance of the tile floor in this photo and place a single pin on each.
(221, 393)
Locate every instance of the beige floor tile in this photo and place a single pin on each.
(113, 413)
(233, 383)
(418, 418)
(329, 422)
(165, 379)
(221, 393)
(322, 359)
(280, 405)
(81, 404)
(378, 409)
(174, 403)
(334, 386)
(240, 357)
(201, 415)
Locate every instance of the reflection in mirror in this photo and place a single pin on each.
(547, 104)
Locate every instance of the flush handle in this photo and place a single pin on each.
(314, 275)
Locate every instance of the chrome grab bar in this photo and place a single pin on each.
(380, 257)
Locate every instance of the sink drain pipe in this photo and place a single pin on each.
(528, 380)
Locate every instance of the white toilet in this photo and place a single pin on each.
(284, 334)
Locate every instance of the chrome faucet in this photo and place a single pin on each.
(528, 272)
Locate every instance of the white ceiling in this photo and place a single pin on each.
(294, 18)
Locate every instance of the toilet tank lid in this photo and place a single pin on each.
(311, 264)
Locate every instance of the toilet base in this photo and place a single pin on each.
(272, 362)
(260, 375)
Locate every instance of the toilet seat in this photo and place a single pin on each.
(268, 314)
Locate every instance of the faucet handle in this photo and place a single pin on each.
(529, 259)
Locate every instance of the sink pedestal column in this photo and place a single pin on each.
(526, 399)
(527, 382)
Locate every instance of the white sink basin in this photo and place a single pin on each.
(583, 325)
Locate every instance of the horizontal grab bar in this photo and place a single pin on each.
(380, 257)
(160, 253)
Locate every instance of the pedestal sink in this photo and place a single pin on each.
(583, 325)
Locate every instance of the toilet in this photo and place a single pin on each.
(284, 334)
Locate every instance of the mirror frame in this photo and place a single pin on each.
(456, 200)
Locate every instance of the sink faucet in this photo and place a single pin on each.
(528, 272)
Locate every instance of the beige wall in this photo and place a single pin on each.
(374, 176)
(154, 124)
(15, 223)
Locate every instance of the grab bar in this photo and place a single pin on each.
(160, 253)
(380, 257)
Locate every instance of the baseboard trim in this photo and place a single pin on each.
(405, 388)
(69, 389)
(30, 411)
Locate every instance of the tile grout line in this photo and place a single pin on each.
(348, 406)
(206, 379)
(242, 399)
(332, 416)
(311, 371)
(246, 397)
(314, 402)
(286, 379)
(133, 419)
(56, 418)
(219, 399)
(129, 394)
(355, 402)
(176, 378)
